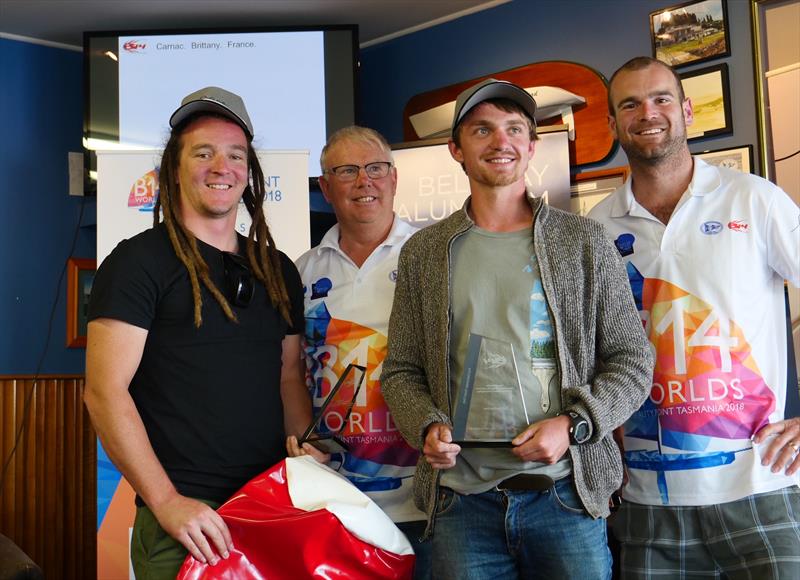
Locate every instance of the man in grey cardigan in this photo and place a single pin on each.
(545, 285)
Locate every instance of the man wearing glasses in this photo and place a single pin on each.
(193, 369)
(349, 283)
(509, 269)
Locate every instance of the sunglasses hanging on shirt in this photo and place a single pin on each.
(238, 279)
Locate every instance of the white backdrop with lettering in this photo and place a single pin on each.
(127, 183)
(431, 184)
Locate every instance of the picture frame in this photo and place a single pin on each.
(589, 188)
(709, 91)
(740, 158)
(80, 275)
(690, 33)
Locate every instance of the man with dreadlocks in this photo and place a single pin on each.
(193, 363)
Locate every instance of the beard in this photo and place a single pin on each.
(656, 154)
(486, 176)
(495, 180)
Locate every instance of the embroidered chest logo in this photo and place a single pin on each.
(320, 288)
(710, 228)
(739, 226)
(624, 244)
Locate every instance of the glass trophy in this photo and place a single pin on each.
(325, 430)
(489, 410)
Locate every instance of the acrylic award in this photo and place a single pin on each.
(489, 409)
(330, 422)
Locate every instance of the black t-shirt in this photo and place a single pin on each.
(209, 397)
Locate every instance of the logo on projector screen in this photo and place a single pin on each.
(134, 46)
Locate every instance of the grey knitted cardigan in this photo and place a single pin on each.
(603, 356)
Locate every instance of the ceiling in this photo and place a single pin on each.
(63, 21)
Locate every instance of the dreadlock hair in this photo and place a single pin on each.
(261, 252)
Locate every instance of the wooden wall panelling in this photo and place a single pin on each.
(48, 503)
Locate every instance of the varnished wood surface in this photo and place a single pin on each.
(48, 502)
(593, 142)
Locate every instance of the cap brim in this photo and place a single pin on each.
(195, 107)
(498, 90)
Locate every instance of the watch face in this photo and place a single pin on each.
(580, 431)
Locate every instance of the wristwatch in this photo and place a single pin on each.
(579, 431)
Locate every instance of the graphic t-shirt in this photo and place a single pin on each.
(709, 288)
(496, 293)
(347, 318)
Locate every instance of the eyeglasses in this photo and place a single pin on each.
(238, 279)
(374, 170)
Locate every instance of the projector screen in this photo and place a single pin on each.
(298, 84)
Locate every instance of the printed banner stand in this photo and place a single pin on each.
(127, 185)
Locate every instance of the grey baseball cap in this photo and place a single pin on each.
(492, 89)
(214, 100)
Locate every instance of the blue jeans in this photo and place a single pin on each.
(518, 534)
(422, 549)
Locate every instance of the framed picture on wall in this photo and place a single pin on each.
(690, 33)
(80, 275)
(711, 101)
(740, 158)
(591, 187)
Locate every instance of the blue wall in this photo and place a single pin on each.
(41, 101)
(600, 34)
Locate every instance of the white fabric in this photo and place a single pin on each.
(709, 286)
(347, 319)
(313, 486)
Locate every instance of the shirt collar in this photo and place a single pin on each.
(399, 232)
(705, 180)
(330, 239)
(623, 200)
